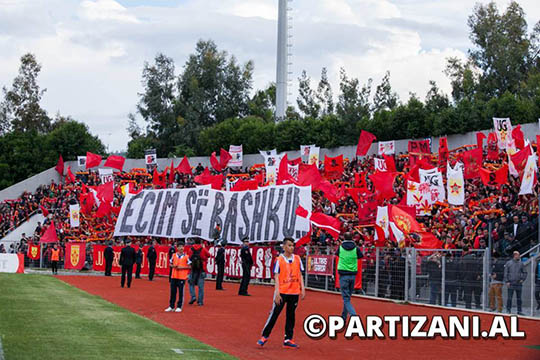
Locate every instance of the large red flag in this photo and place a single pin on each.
(283, 173)
(327, 223)
(333, 166)
(329, 190)
(215, 162)
(75, 255)
(494, 178)
(60, 166)
(480, 140)
(518, 137)
(49, 236)
(224, 158)
(243, 185)
(364, 143)
(87, 202)
(158, 179)
(44, 211)
(381, 237)
(428, 241)
(520, 158)
(360, 181)
(473, 161)
(92, 160)
(33, 251)
(390, 163)
(104, 209)
(115, 161)
(171, 172)
(184, 167)
(384, 184)
(70, 178)
(309, 175)
(403, 220)
(105, 192)
(493, 147)
(443, 150)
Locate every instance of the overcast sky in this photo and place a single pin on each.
(92, 52)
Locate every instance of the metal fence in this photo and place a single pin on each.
(449, 278)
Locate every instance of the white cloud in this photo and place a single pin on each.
(92, 52)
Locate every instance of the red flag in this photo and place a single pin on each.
(92, 160)
(60, 166)
(304, 239)
(171, 172)
(443, 150)
(390, 163)
(327, 223)
(105, 192)
(480, 140)
(518, 137)
(309, 175)
(158, 179)
(199, 179)
(411, 210)
(224, 158)
(538, 146)
(473, 161)
(75, 255)
(381, 237)
(384, 184)
(296, 161)
(403, 220)
(184, 167)
(104, 209)
(49, 236)
(333, 166)
(355, 194)
(417, 147)
(300, 211)
(283, 173)
(366, 211)
(70, 178)
(329, 190)
(44, 211)
(243, 185)
(215, 162)
(115, 161)
(360, 181)
(428, 241)
(216, 181)
(364, 143)
(87, 202)
(493, 147)
(519, 159)
(494, 178)
(33, 251)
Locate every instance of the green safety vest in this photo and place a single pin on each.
(348, 260)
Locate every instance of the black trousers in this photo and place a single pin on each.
(219, 277)
(177, 284)
(138, 271)
(126, 270)
(246, 276)
(108, 267)
(152, 269)
(54, 267)
(292, 302)
(469, 288)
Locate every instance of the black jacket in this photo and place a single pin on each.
(152, 254)
(127, 256)
(139, 256)
(108, 253)
(471, 268)
(245, 255)
(497, 269)
(220, 256)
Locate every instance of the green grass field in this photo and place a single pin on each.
(44, 318)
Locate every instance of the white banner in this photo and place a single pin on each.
(418, 198)
(293, 170)
(262, 262)
(382, 219)
(433, 178)
(387, 147)
(380, 164)
(265, 214)
(503, 129)
(528, 179)
(314, 155)
(74, 215)
(455, 184)
(305, 150)
(11, 263)
(106, 175)
(81, 161)
(237, 156)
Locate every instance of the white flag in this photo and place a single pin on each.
(398, 234)
(528, 180)
(305, 149)
(511, 168)
(237, 156)
(387, 147)
(382, 218)
(81, 161)
(455, 184)
(106, 175)
(74, 212)
(503, 129)
(418, 198)
(434, 179)
(380, 164)
(314, 155)
(266, 153)
(293, 171)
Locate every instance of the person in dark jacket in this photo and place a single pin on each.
(220, 263)
(514, 276)
(108, 254)
(471, 270)
(495, 288)
(434, 271)
(348, 254)
(152, 257)
(451, 279)
(127, 259)
(397, 273)
(138, 261)
(247, 263)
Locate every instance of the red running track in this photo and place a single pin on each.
(233, 324)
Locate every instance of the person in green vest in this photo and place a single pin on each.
(348, 254)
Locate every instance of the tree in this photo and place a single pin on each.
(385, 98)
(463, 78)
(262, 104)
(306, 100)
(20, 107)
(324, 94)
(353, 105)
(70, 139)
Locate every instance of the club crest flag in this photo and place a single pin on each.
(237, 156)
(528, 179)
(387, 147)
(380, 164)
(33, 251)
(382, 219)
(74, 215)
(314, 155)
(503, 129)
(75, 255)
(455, 184)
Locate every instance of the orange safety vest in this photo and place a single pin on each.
(183, 262)
(289, 275)
(55, 256)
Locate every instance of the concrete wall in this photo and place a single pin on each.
(27, 227)
(454, 141)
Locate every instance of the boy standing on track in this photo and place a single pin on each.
(179, 274)
(289, 285)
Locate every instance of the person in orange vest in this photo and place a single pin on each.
(179, 274)
(55, 257)
(289, 287)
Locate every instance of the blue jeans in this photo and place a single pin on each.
(197, 279)
(346, 285)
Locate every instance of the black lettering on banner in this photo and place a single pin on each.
(247, 198)
(155, 213)
(129, 211)
(291, 203)
(230, 219)
(191, 198)
(198, 216)
(149, 197)
(219, 206)
(258, 214)
(171, 201)
(272, 216)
